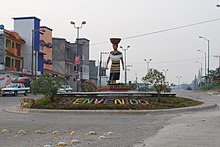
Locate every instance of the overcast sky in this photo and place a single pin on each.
(174, 50)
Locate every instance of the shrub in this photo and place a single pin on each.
(90, 86)
(47, 85)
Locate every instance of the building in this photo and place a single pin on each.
(11, 51)
(72, 60)
(46, 47)
(63, 60)
(29, 29)
(93, 72)
(11, 60)
(83, 52)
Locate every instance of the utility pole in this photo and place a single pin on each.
(100, 68)
(125, 63)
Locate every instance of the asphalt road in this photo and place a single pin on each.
(167, 129)
(191, 129)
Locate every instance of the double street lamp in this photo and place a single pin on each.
(208, 53)
(77, 46)
(165, 71)
(79, 27)
(125, 49)
(148, 62)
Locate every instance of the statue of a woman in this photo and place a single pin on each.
(115, 56)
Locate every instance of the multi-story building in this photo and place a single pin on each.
(33, 54)
(29, 29)
(46, 47)
(83, 52)
(63, 60)
(11, 50)
(11, 60)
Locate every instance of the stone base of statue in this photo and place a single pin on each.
(114, 87)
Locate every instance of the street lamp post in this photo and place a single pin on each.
(165, 72)
(125, 62)
(200, 65)
(148, 62)
(100, 67)
(77, 46)
(208, 53)
(205, 59)
(179, 77)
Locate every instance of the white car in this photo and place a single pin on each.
(15, 89)
(65, 88)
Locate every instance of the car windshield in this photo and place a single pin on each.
(12, 85)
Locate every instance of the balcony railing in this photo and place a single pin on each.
(11, 68)
(13, 51)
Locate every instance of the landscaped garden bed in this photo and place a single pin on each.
(68, 103)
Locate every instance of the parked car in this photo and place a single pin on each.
(15, 89)
(65, 88)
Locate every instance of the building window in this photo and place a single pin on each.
(68, 54)
(68, 68)
(18, 47)
(75, 68)
(82, 57)
(13, 45)
(7, 61)
(12, 62)
(8, 43)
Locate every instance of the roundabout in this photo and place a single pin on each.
(51, 127)
(110, 100)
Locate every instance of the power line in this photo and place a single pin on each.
(164, 30)
(170, 29)
(171, 61)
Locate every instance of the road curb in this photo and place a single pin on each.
(204, 106)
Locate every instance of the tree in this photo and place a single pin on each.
(215, 75)
(47, 85)
(156, 78)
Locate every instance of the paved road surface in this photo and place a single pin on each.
(193, 129)
(167, 129)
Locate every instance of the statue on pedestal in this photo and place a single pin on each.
(115, 56)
